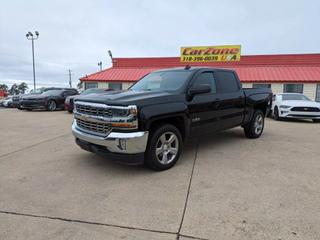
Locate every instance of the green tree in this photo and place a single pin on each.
(4, 87)
(23, 87)
(14, 90)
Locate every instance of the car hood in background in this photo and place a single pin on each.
(300, 103)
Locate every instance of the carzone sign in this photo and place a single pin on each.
(211, 54)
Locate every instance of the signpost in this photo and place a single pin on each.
(211, 54)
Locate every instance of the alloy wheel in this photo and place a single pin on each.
(167, 148)
(258, 124)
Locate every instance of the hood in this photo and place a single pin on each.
(33, 96)
(300, 103)
(128, 97)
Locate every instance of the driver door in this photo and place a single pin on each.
(203, 108)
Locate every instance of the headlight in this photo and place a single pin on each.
(124, 117)
(284, 106)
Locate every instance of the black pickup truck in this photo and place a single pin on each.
(150, 122)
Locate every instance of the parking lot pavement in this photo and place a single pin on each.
(240, 189)
(21, 129)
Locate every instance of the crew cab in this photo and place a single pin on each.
(149, 122)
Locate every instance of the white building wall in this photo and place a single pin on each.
(277, 87)
(247, 85)
(125, 85)
(309, 89)
(102, 85)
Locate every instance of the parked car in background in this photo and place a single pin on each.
(16, 98)
(295, 105)
(6, 102)
(68, 104)
(49, 100)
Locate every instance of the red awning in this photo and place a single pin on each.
(267, 68)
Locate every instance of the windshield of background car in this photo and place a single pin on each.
(52, 92)
(289, 97)
(36, 91)
(93, 90)
(162, 81)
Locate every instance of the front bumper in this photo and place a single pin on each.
(115, 142)
(287, 113)
(30, 104)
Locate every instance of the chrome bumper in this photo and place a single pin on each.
(116, 142)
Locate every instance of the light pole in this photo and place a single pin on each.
(32, 37)
(100, 65)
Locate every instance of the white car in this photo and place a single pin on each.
(295, 105)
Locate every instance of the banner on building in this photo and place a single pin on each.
(228, 53)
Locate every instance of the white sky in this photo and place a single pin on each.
(76, 34)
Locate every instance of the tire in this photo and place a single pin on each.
(276, 114)
(164, 148)
(70, 111)
(255, 127)
(51, 105)
(316, 120)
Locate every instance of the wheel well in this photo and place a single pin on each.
(178, 122)
(262, 106)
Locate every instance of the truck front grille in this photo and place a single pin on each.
(93, 110)
(95, 127)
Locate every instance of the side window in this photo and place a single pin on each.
(226, 82)
(68, 93)
(206, 78)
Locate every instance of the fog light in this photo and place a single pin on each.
(122, 144)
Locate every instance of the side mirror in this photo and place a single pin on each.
(199, 89)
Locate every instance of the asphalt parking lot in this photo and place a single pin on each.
(223, 187)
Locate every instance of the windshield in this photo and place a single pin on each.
(162, 81)
(36, 91)
(52, 92)
(289, 97)
(93, 90)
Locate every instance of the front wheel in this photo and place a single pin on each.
(316, 120)
(255, 127)
(276, 114)
(164, 148)
(51, 105)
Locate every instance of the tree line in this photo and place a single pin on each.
(15, 89)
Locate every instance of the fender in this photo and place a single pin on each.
(152, 113)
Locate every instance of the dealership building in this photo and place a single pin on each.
(299, 73)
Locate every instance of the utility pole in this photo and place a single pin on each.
(70, 81)
(100, 65)
(31, 37)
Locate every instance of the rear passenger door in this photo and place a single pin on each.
(231, 98)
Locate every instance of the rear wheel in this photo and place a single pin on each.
(255, 127)
(164, 148)
(51, 105)
(316, 120)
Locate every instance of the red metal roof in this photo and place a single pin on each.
(254, 68)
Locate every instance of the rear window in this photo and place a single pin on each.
(226, 82)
